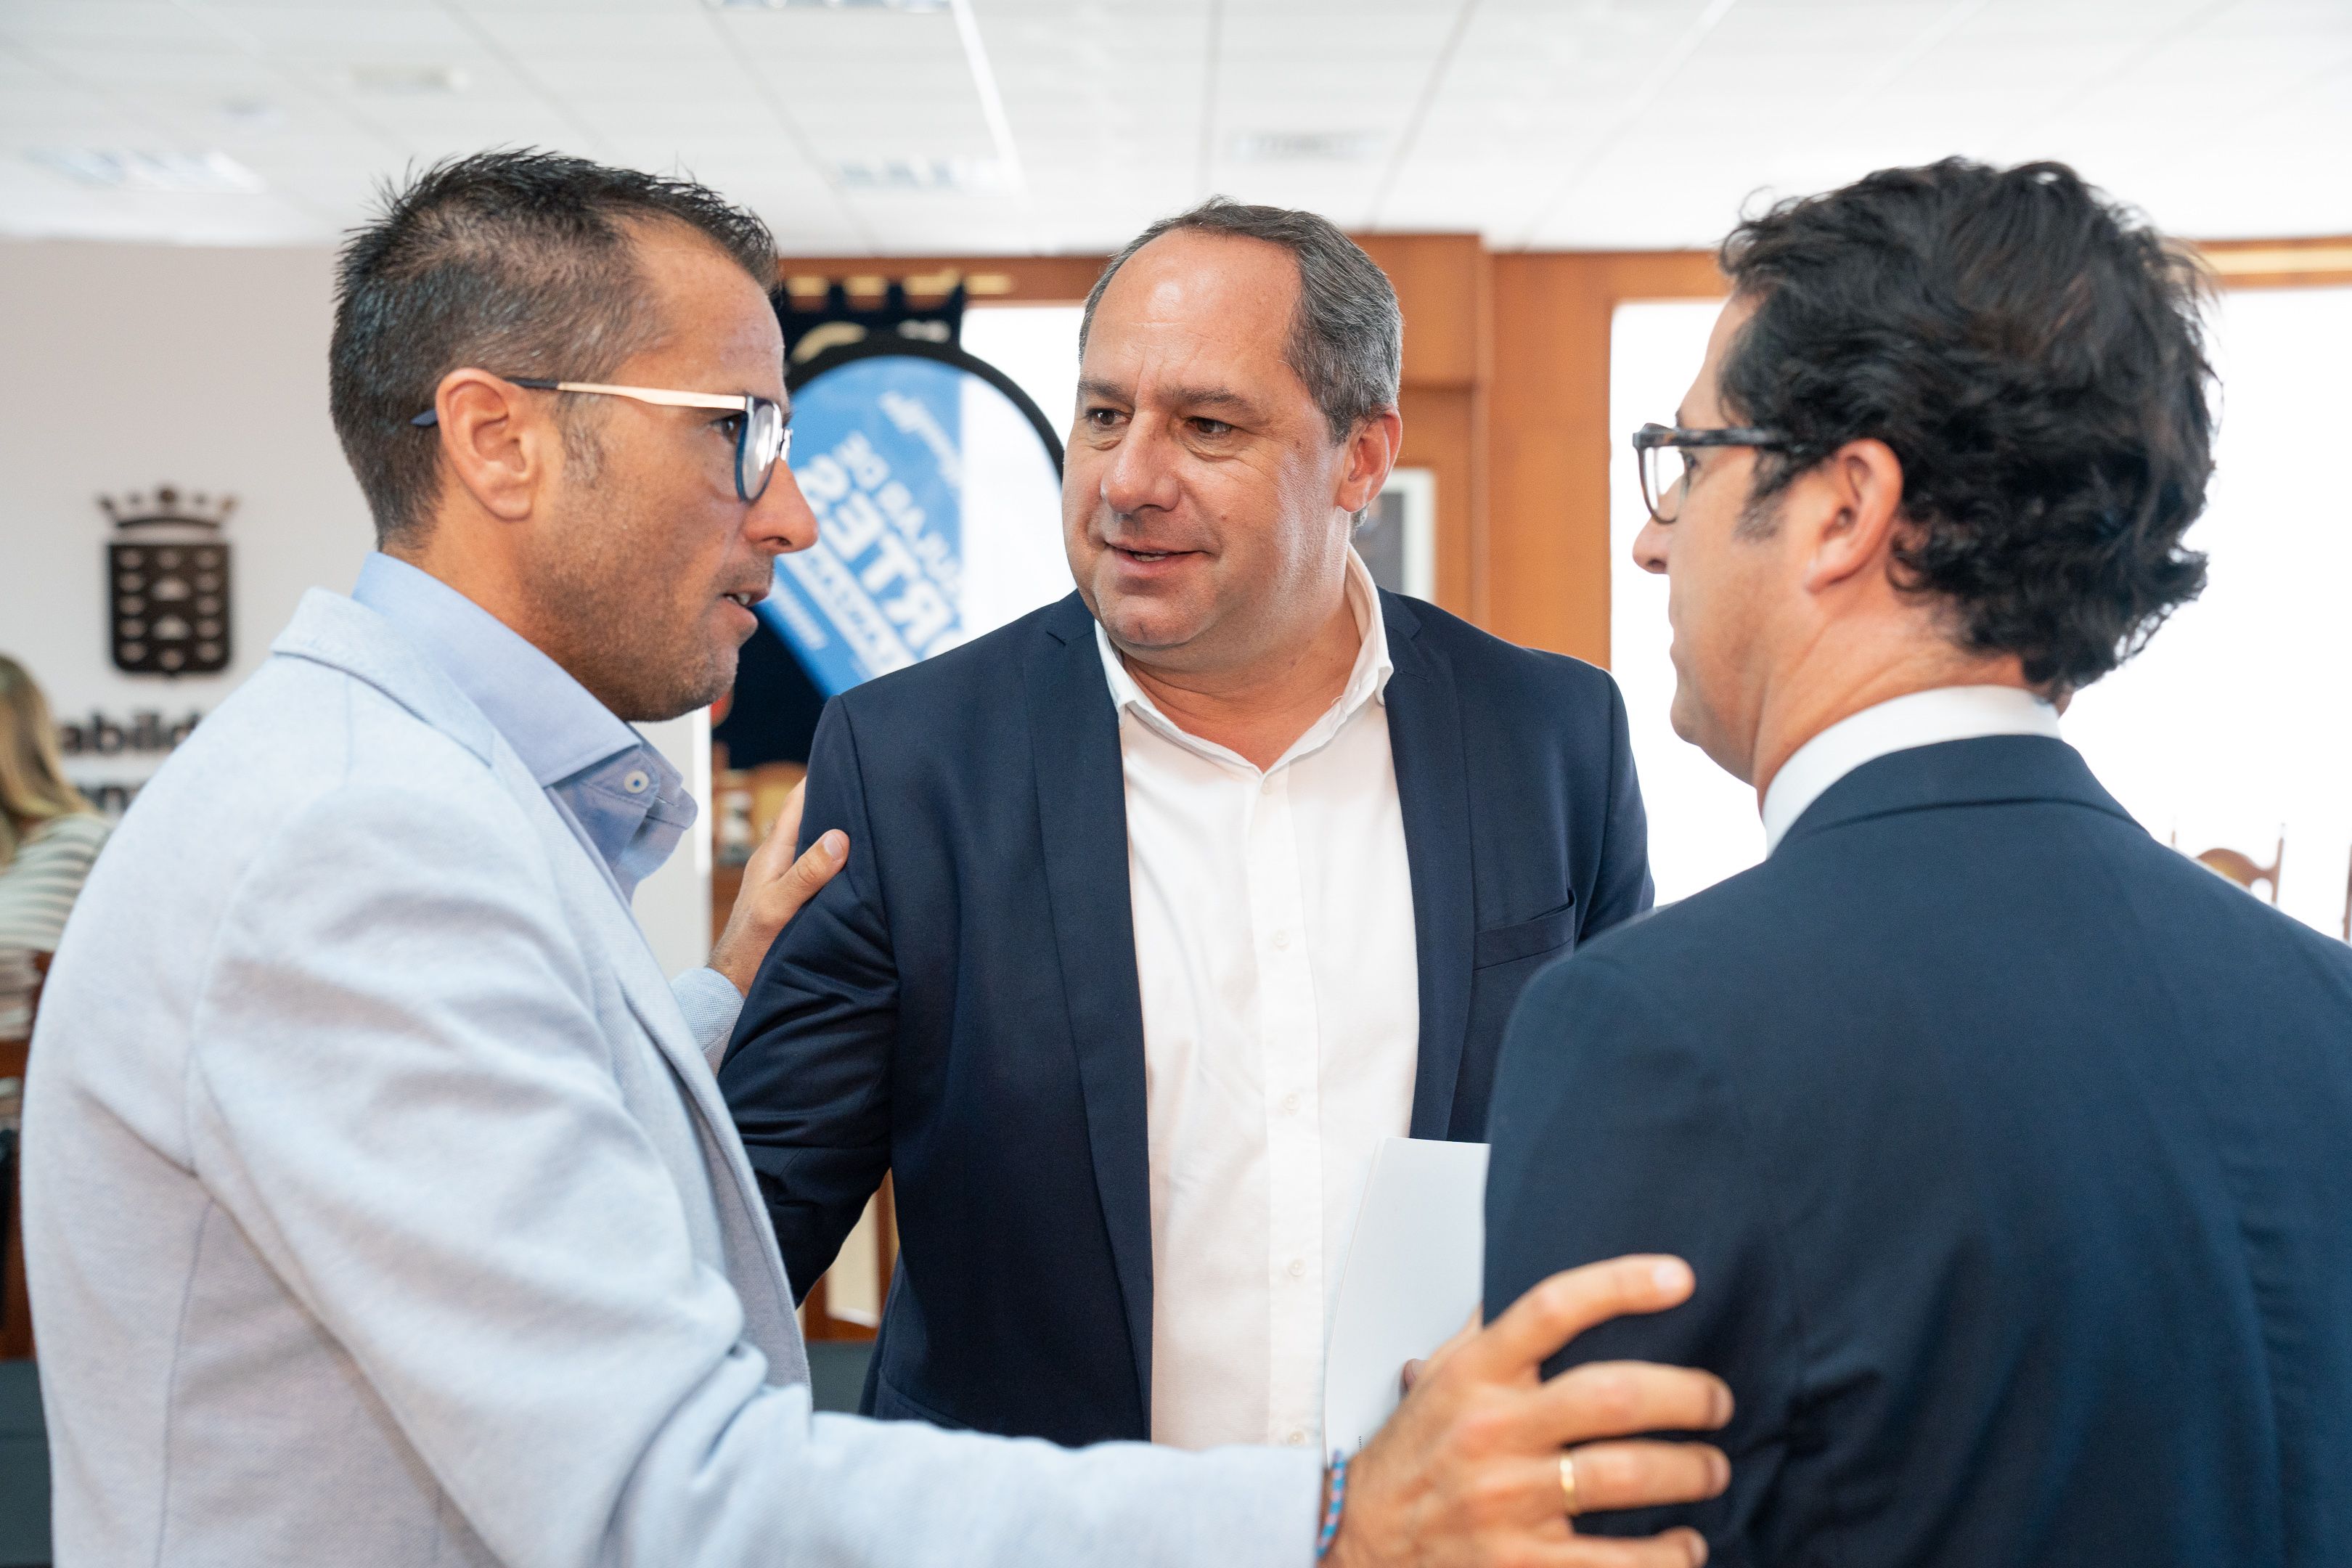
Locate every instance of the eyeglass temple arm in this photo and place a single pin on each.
(738, 401)
(537, 384)
(1649, 437)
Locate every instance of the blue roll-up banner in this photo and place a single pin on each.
(937, 488)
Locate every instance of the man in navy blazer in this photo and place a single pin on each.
(2013, 1150)
(1178, 895)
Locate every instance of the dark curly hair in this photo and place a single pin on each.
(518, 261)
(2033, 355)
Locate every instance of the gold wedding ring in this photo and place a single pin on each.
(1568, 1483)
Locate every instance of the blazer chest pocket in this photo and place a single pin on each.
(1547, 932)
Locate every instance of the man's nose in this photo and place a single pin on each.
(1650, 546)
(1142, 471)
(781, 520)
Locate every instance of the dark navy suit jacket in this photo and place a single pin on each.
(2013, 1152)
(960, 1006)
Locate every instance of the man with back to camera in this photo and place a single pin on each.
(2013, 1149)
(1186, 890)
(380, 1206)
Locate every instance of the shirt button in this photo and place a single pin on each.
(1290, 1102)
(1267, 787)
(1298, 1439)
(637, 782)
(1297, 1267)
(1282, 938)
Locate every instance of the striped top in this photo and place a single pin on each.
(36, 890)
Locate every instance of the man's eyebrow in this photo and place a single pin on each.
(1182, 396)
(1211, 397)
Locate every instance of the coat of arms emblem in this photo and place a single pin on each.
(168, 582)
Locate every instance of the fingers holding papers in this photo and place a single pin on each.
(1460, 1337)
(1469, 1470)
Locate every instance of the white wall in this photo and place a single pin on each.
(127, 366)
(1038, 346)
(1702, 823)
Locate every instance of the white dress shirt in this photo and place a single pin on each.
(1920, 718)
(1274, 945)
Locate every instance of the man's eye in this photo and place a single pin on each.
(1102, 419)
(731, 424)
(1211, 426)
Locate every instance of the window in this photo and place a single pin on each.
(2232, 731)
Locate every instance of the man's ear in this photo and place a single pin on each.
(1373, 448)
(1857, 496)
(499, 441)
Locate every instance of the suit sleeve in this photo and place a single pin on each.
(807, 1078)
(1612, 1132)
(399, 1095)
(1622, 888)
(711, 1004)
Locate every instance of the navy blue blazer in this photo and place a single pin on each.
(2013, 1152)
(960, 1006)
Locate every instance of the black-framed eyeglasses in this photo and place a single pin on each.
(1665, 470)
(762, 441)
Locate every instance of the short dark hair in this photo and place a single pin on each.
(1347, 336)
(2033, 355)
(518, 261)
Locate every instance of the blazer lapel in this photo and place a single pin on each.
(332, 630)
(1082, 816)
(769, 1321)
(1434, 791)
(768, 1318)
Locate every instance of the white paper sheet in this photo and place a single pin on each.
(1414, 1273)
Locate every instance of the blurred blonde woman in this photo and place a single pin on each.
(48, 837)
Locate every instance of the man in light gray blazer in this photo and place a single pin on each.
(381, 1208)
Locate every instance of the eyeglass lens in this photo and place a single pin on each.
(1662, 471)
(765, 441)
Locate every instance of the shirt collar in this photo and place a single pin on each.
(1368, 679)
(621, 796)
(555, 726)
(1921, 719)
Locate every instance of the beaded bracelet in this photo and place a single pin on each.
(1331, 1507)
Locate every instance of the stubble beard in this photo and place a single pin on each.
(616, 626)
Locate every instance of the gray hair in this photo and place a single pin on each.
(1347, 336)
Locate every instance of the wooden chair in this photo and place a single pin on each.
(2241, 869)
(15, 1302)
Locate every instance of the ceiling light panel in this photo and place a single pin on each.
(145, 24)
(1120, 110)
(207, 173)
(393, 80)
(904, 6)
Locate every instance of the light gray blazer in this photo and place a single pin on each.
(381, 1208)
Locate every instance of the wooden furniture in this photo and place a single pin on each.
(2241, 867)
(15, 1302)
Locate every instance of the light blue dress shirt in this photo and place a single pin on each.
(622, 797)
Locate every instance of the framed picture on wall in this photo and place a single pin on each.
(1398, 538)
